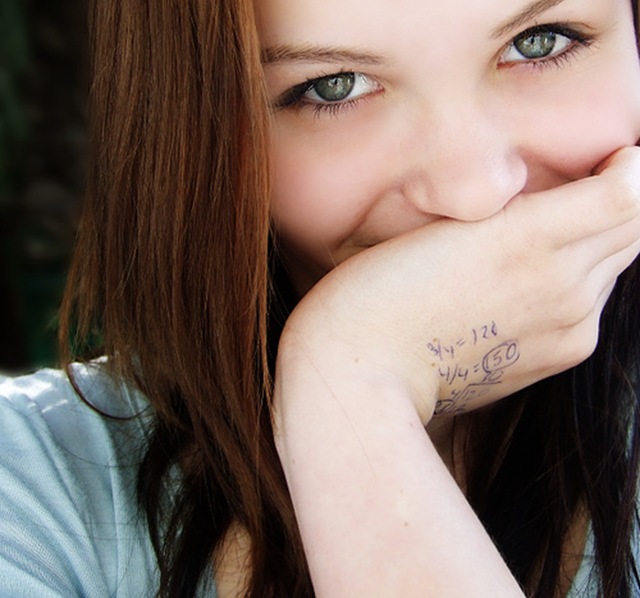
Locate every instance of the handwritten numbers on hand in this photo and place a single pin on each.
(481, 377)
(501, 357)
(485, 332)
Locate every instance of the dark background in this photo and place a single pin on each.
(42, 162)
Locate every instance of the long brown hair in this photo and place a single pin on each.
(171, 281)
(171, 273)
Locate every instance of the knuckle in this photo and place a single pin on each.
(628, 195)
(580, 343)
(577, 304)
(573, 315)
(623, 193)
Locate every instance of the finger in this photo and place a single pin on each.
(609, 269)
(581, 209)
(581, 339)
(621, 244)
(621, 158)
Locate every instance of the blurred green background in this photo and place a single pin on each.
(42, 163)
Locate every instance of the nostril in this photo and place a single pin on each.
(469, 193)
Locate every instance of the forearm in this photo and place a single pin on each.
(379, 513)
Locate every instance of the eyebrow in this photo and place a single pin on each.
(311, 53)
(337, 54)
(526, 14)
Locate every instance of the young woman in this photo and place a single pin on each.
(321, 241)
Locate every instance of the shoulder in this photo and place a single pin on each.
(45, 409)
(69, 524)
(585, 582)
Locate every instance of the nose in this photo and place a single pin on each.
(466, 164)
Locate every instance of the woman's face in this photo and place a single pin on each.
(390, 114)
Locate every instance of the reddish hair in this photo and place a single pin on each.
(171, 271)
(171, 277)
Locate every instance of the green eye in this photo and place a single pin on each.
(544, 44)
(334, 88)
(333, 92)
(536, 45)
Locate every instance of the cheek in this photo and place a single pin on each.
(600, 115)
(323, 186)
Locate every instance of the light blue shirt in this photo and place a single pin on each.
(69, 521)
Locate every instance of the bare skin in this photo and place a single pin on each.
(454, 239)
(233, 568)
(353, 393)
(355, 382)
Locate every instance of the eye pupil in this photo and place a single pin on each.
(336, 87)
(536, 45)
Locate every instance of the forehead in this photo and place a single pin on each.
(297, 19)
(403, 31)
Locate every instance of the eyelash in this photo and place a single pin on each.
(293, 99)
(337, 107)
(578, 42)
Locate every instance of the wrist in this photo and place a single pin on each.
(316, 352)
